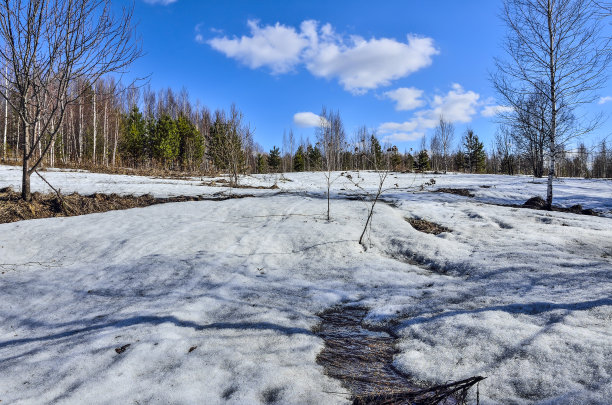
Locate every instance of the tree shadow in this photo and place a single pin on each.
(158, 320)
(533, 308)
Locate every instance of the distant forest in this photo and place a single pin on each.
(110, 126)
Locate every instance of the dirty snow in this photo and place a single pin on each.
(522, 297)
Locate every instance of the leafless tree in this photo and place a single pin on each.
(555, 49)
(330, 137)
(6, 116)
(382, 169)
(445, 132)
(504, 148)
(49, 45)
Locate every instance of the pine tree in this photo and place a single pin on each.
(262, 163)
(298, 160)
(274, 159)
(315, 157)
(133, 141)
(474, 152)
(165, 140)
(191, 146)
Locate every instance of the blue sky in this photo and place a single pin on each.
(393, 66)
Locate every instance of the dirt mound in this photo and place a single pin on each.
(422, 225)
(538, 203)
(535, 202)
(13, 208)
(458, 191)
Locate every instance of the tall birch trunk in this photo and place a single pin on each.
(95, 127)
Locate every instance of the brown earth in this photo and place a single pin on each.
(13, 208)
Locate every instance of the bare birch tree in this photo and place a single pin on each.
(445, 131)
(49, 45)
(555, 49)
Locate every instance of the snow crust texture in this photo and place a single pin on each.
(217, 299)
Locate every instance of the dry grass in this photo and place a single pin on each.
(425, 226)
(457, 191)
(13, 208)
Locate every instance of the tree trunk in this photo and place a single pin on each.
(105, 149)
(25, 178)
(553, 107)
(115, 143)
(95, 127)
(80, 131)
(5, 115)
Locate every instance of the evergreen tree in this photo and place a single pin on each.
(274, 159)
(191, 146)
(460, 160)
(315, 157)
(409, 162)
(217, 139)
(134, 137)
(377, 154)
(298, 160)
(262, 163)
(422, 161)
(165, 140)
(474, 151)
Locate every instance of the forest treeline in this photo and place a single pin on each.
(111, 126)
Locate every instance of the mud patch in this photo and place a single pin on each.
(13, 208)
(362, 359)
(423, 225)
(457, 191)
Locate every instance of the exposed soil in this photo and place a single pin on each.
(423, 225)
(362, 359)
(226, 183)
(13, 208)
(458, 191)
(538, 203)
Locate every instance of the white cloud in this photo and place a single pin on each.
(276, 46)
(403, 137)
(493, 110)
(161, 2)
(604, 100)
(358, 64)
(306, 119)
(406, 98)
(362, 65)
(457, 105)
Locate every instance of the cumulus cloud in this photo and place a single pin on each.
(357, 63)
(276, 46)
(406, 98)
(160, 2)
(457, 105)
(362, 65)
(493, 110)
(604, 100)
(306, 119)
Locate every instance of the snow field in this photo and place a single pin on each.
(523, 297)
